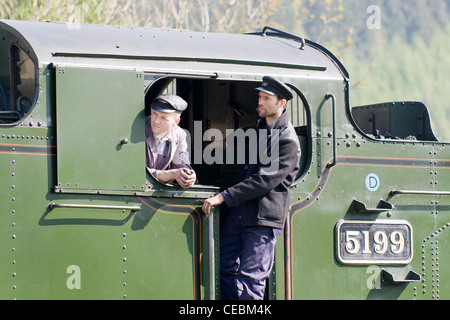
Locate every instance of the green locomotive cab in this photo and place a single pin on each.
(82, 218)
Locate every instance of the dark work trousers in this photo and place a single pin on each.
(246, 258)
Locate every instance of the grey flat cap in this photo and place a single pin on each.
(169, 103)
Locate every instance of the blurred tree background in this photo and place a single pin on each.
(393, 50)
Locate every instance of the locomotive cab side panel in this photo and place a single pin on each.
(99, 129)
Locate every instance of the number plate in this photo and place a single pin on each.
(374, 242)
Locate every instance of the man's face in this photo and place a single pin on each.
(269, 106)
(161, 122)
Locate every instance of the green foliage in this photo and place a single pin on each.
(398, 70)
(406, 59)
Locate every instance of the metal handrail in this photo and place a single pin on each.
(421, 192)
(92, 206)
(333, 99)
(285, 34)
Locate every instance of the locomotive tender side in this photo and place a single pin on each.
(81, 218)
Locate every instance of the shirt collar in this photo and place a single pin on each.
(166, 137)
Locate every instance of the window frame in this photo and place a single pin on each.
(301, 120)
(11, 93)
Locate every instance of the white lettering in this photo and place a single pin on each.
(213, 153)
(374, 21)
(373, 281)
(74, 20)
(238, 144)
(197, 142)
(352, 245)
(196, 310)
(246, 309)
(237, 138)
(74, 280)
(382, 241)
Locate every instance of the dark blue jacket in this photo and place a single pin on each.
(263, 191)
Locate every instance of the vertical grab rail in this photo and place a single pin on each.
(333, 100)
(211, 252)
(287, 259)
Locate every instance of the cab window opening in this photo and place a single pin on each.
(215, 107)
(395, 121)
(18, 99)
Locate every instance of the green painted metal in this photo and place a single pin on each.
(81, 218)
(103, 104)
(313, 223)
